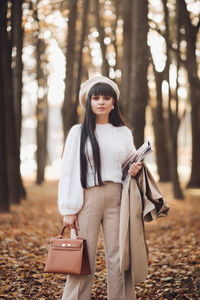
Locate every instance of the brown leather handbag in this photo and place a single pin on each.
(67, 256)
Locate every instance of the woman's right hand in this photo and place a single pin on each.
(71, 221)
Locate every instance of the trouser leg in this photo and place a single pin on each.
(117, 285)
(78, 287)
(129, 287)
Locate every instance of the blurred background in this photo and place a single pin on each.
(151, 49)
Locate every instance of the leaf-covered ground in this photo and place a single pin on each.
(174, 245)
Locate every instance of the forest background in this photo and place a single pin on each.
(150, 48)
(47, 48)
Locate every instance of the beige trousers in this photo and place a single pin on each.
(101, 206)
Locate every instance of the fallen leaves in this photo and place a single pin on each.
(174, 251)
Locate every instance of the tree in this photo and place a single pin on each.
(191, 32)
(17, 44)
(117, 6)
(4, 191)
(173, 120)
(41, 112)
(68, 105)
(100, 28)
(42, 105)
(160, 127)
(127, 54)
(138, 76)
(8, 106)
(4, 195)
(80, 58)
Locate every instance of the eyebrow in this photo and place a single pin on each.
(101, 95)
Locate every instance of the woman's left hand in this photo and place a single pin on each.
(135, 168)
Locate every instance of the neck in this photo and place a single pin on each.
(102, 119)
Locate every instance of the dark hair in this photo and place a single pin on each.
(88, 127)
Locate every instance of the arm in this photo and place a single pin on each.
(70, 191)
(135, 167)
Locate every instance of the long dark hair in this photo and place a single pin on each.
(88, 127)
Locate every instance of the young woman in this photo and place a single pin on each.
(90, 185)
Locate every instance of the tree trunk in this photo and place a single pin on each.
(114, 42)
(4, 195)
(127, 55)
(4, 190)
(195, 119)
(68, 108)
(42, 115)
(10, 134)
(80, 58)
(172, 119)
(139, 63)
(100, 28)
(42, 108)
(17, 43)
(191, 65)
(160, 130)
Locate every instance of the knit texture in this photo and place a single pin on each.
(116, 146)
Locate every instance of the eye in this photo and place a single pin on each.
(107, 97)
(95, 97)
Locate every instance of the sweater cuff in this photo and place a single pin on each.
(65, 211)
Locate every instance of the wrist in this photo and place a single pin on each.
(71, 215)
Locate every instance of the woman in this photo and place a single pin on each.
(90, 185)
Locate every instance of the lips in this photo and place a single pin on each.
(101, 108)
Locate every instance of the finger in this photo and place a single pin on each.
(138, 167)
(132, 167)
(65, 223)
(70, 224)
(132, 173)
(76, 224)
(134, 170)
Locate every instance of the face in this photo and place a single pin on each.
(101, 105)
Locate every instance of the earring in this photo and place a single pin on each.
(113, 107)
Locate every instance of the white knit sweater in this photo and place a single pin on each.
(115, 144)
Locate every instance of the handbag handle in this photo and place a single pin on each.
(63, 230)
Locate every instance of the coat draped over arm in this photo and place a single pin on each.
(141, 201)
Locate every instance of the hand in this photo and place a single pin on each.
(135, 168)
(71, 221)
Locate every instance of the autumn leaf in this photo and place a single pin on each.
(174, 257)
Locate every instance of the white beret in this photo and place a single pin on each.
(86, 86)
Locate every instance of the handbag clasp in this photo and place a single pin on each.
(65, 245)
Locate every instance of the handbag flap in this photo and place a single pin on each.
(59, 243)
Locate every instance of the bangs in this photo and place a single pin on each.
(102, 88)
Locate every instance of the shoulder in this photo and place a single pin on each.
(125, 130)
(74, 130)
(73, 133)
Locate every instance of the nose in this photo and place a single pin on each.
(101, 100)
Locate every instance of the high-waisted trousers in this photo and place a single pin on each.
(101, 206)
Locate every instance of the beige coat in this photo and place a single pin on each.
(141, 201)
